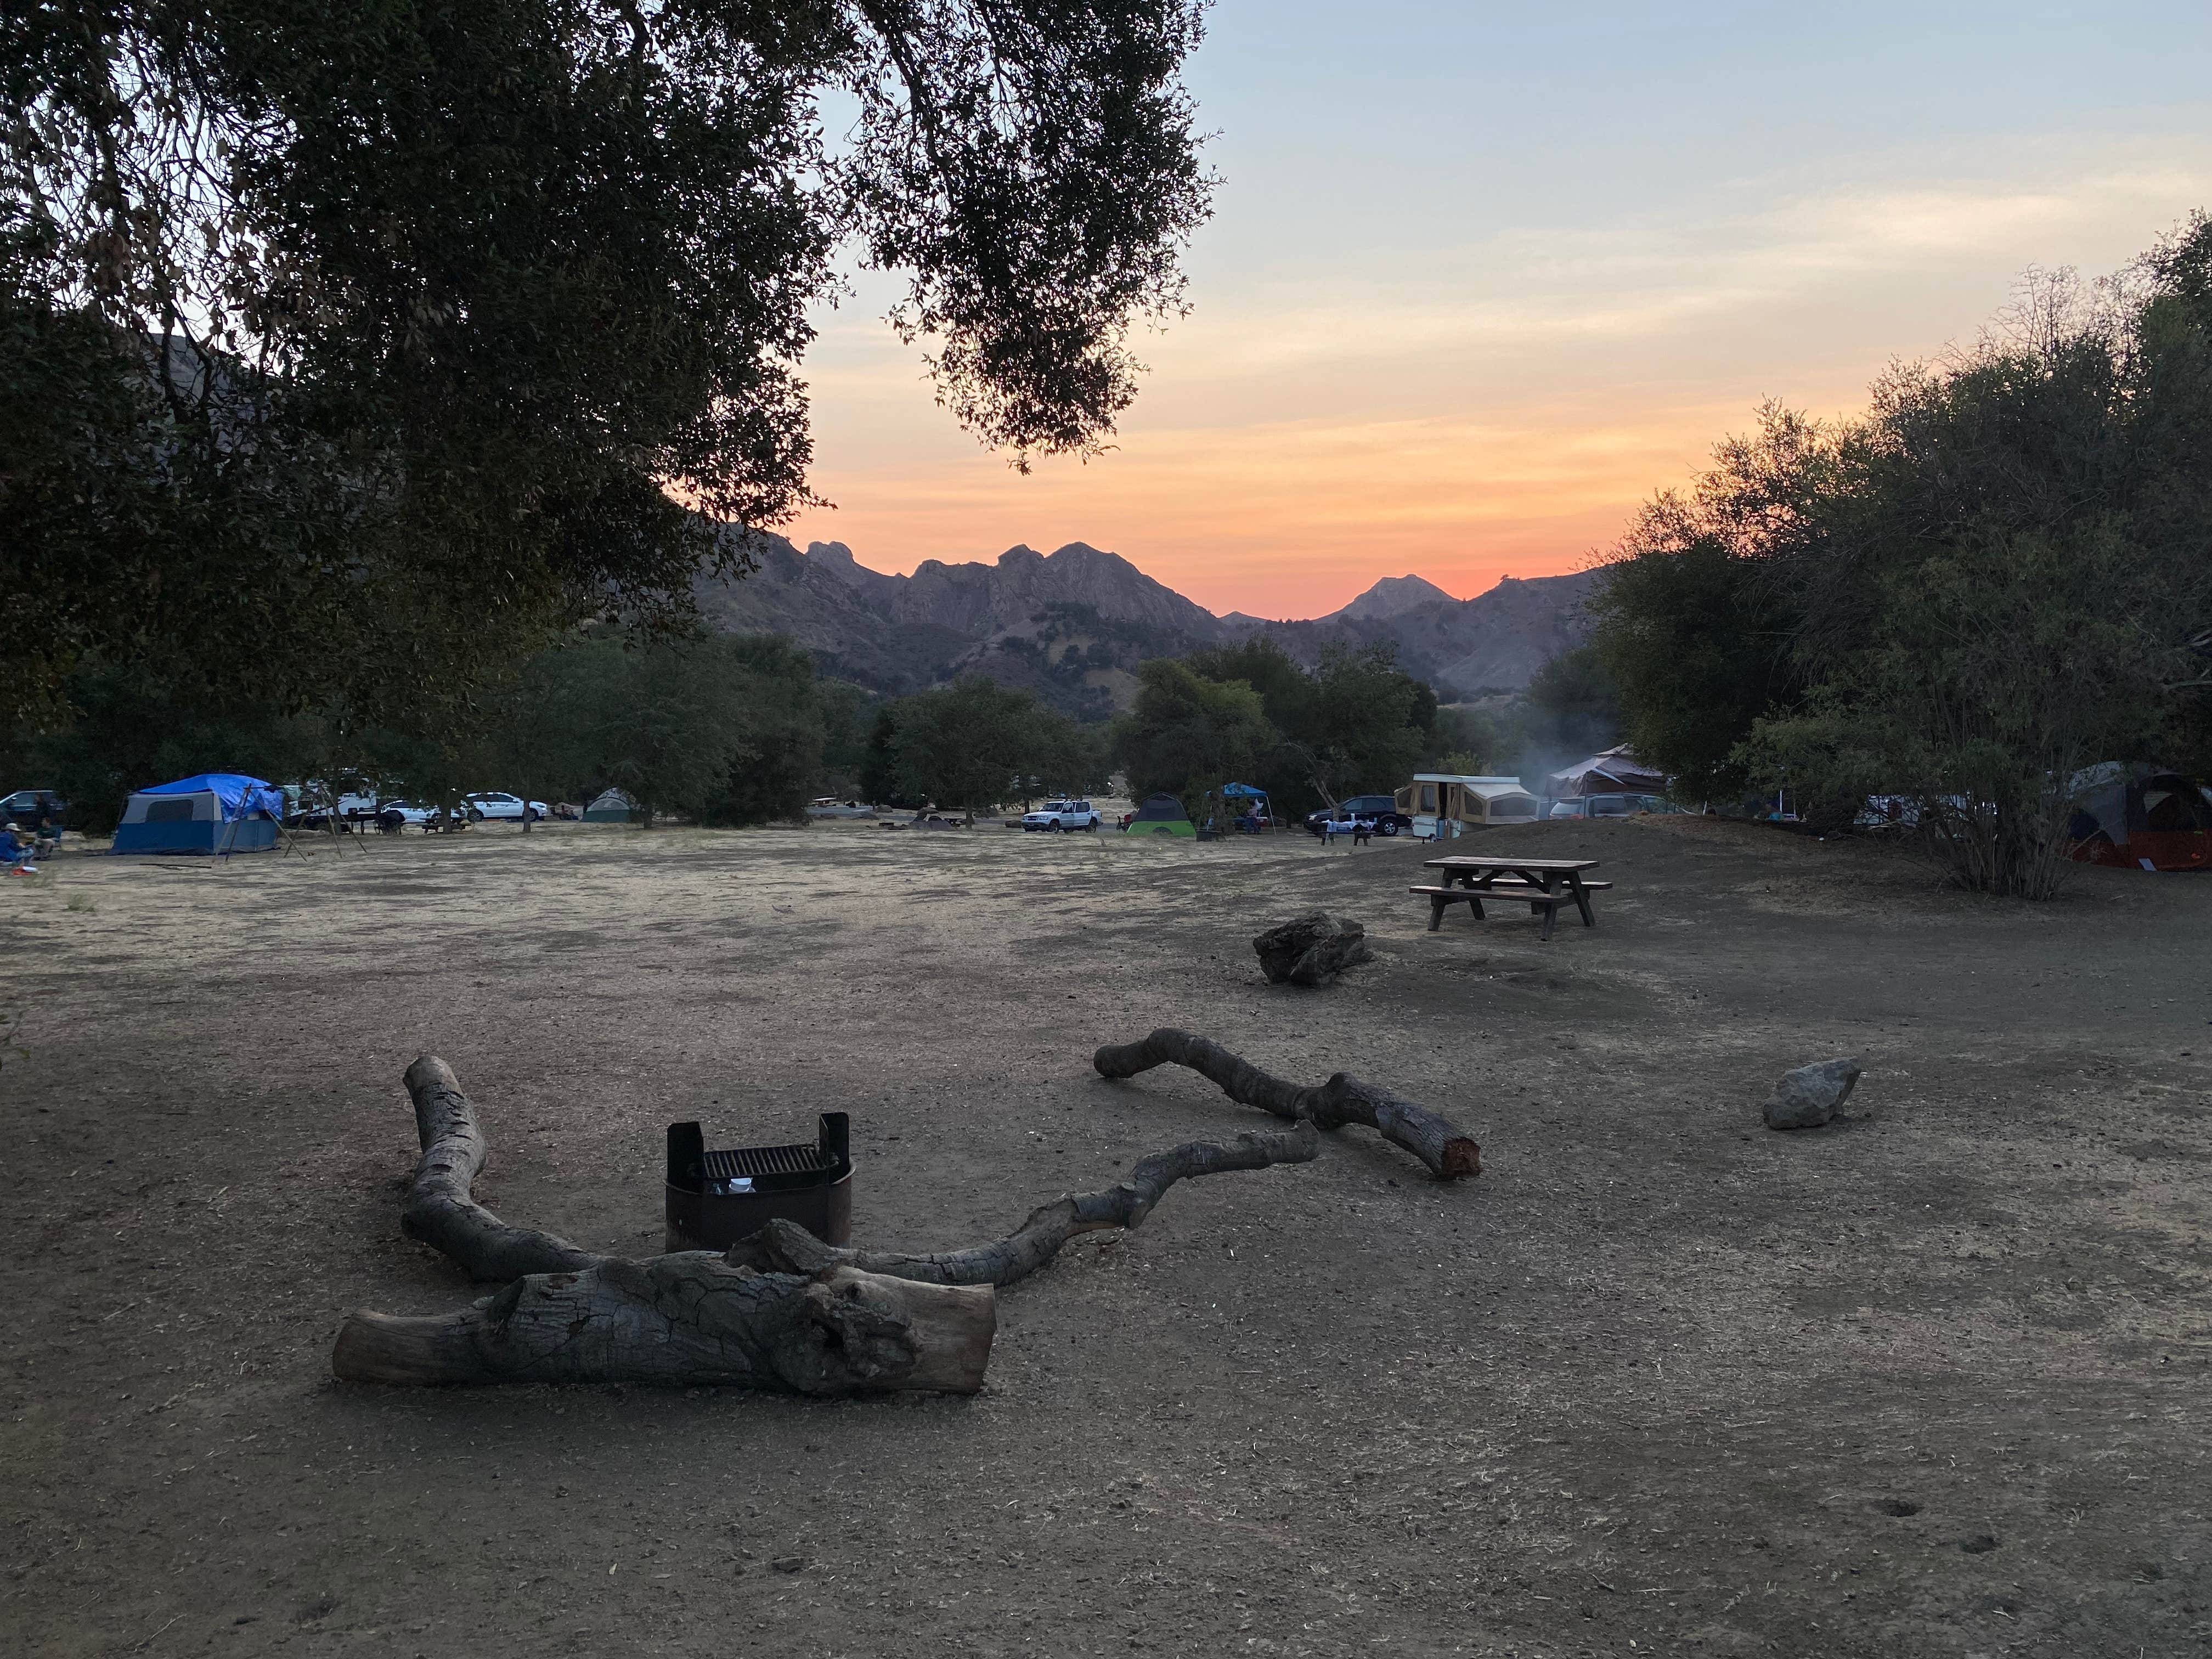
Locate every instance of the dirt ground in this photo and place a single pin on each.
(1930, 1381)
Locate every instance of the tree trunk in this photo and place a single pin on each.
(1449, 1152)
(782, 1311)
(573, 1316)
(690, 1318)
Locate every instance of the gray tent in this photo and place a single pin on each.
(613, 806)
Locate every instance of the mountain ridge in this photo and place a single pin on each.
(1072, 625)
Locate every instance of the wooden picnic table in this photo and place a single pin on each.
(1541, 884)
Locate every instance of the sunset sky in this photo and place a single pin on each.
(1480, 277)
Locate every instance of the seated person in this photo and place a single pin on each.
(17, 845)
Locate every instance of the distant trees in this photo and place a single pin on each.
(1250, 713)
(1996, 577)
(719, 728)
(1699, 647)
(973, 746)
(1187, 733)
(1571, 708)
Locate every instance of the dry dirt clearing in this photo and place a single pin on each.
(1930, 1381)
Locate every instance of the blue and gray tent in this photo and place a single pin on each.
(207, 813)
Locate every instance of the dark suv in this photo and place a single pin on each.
(1384, 809)
(27, 807)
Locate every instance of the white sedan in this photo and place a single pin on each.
(493, 805)
(396, 814)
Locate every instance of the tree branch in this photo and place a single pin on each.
(441, 1211)
(784, 1247)
(1449, 1152)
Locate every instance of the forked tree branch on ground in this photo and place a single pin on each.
(1448, 1151)
(780, 1311)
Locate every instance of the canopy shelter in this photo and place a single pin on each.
(2140, 817)
(611, 806)
(1443, 803)
(1244, 805)
(210, 812)
(1615, 772)
(1161, 814)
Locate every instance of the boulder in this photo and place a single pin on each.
(1808, 1096)
(1312, 949)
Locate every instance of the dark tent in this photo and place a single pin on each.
(2141, 818)
(1161, 814)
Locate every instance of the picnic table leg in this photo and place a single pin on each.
(1582, 901)
(1550, 916)
(1436, 902)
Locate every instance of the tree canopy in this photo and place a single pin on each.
(1250, 713)
(1996, 577)
(973, 746)
(361, 347)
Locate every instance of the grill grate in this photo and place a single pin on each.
(754, 1161)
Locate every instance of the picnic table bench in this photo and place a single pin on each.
(1540, 883)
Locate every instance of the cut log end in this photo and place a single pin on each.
(380, 1347)
(1462, 1159)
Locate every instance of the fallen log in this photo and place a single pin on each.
(784, 1247)
(782, 1311)
(1449, 1152)
(690, 1318)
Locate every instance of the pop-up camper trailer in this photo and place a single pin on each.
(212, 812)
(1442, 804)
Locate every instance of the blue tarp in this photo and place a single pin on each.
(239, 794)
(1242, 792)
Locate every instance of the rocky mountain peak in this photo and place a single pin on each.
(1073, 623)
(1394, 595)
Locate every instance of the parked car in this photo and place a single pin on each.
(1383, 809)
(397, 814)
(1609, 806)
(27, 806)
(490, 804)
(1061, 815)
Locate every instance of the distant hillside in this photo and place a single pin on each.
(1073, 625)
(1495, 642)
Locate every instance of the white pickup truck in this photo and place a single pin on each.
(1061, 815)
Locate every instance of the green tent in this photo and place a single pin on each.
(1161, 814)
(611, 807)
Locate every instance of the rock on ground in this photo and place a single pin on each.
(1313, 950)
(1808, 1096)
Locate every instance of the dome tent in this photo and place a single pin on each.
(611, 806)
(1161, 814)
(209, 813)
(1615, 772)
(2140, 817)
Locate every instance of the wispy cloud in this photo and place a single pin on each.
(1498, 406)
